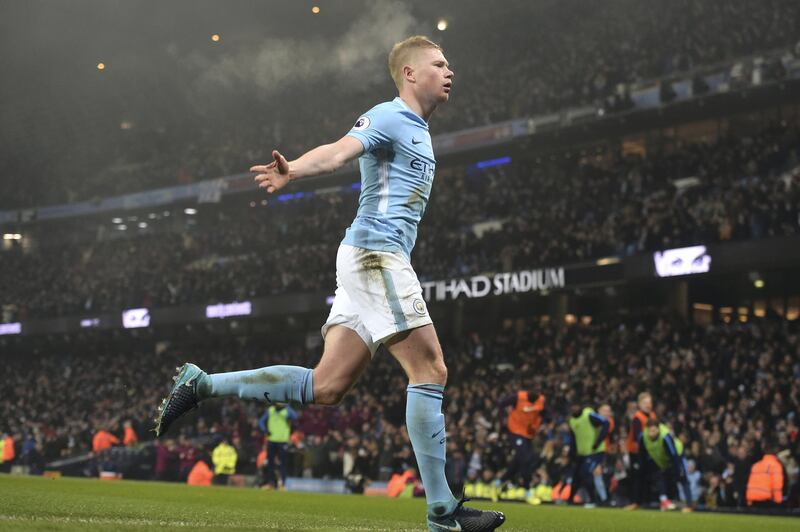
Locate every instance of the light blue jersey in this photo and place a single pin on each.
(397, 169)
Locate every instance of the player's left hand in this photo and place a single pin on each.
(273, 176)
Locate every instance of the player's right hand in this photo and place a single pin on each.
(273, 176)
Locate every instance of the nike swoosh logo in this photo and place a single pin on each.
(437, 433)
(456, 528)
(415, 141)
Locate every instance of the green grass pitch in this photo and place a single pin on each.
(29, 503)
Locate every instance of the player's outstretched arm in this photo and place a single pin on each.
(321, 160)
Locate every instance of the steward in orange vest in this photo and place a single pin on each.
(7, 453)
(200, 475)
(639, 476)
(523, 423)
(639, 422)
(766, 481)
(401, 484)
(129, 439)
(8, 449)
(103, 440)
(526, 417)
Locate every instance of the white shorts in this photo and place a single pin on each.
(377, 295)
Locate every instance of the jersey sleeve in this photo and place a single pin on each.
(375, 129)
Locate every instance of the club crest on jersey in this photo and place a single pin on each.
(419, 307)
(361, 123)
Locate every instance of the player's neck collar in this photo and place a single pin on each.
(402, 102)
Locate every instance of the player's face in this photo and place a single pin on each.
(434, 79)
(646, 404)
(652, 433)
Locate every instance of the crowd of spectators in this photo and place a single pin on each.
(559, 54)
(723, 388)
(554, 210)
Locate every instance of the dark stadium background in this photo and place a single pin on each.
(582, 139)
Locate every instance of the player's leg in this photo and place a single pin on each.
(282, 457)
(528, 463)
(513, 467)
(599, 480)
(684, 487)
(386, 300)
(578, 480)
(344, 359)
(661, 482)
(273, 384)
(272, 458)
(637, 484)
(420, 355)
(589, 465)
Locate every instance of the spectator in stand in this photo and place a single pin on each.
(586, 55)
(188, 455)
(742, 191)
(224, 456)
(166, 464)
(742, 463)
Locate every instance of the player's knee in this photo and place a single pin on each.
(435, 366)
(438, 372)
(327, 394)
(329, 398)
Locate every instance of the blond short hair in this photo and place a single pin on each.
(401, 54)
(643, 396)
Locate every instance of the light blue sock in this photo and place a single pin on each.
(600, 487)
(275, 384)
(425, 424)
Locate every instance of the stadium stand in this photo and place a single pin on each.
(569, 207)
(607, 50)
